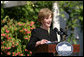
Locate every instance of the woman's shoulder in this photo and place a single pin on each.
(36, 30)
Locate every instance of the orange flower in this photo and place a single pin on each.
(29, 36)
(25, 29)
(15, 29)
(21, 30)
(28, 32)
(21, 54)
(3, 21)
(12, 42)
(13, 53)
(18, 53)
(32, 23)
(26, 38)
(5, 47)
(16, 43)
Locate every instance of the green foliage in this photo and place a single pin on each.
(2, 13)
(75, 11)
(16, 25)
(15, 36)
(28, 11)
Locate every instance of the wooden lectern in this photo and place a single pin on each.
(51, 48)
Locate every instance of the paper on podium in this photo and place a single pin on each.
(49, 42)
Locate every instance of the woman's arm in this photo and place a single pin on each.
(33, 39)
(43, 41)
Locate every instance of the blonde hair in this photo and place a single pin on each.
(43, 13)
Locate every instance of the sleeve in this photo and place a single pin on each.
(33, 40)
(55, 32)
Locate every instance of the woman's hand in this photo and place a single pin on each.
(43, 41)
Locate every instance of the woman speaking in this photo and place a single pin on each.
(42, 34)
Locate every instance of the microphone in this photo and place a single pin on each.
(63, 32)
(59, 32)
(56, 30)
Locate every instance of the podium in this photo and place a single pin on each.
(51, 48)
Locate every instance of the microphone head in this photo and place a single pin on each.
(55, 29)
(60, 33)
(64, 32)
(61, 30)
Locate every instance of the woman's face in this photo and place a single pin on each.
(47, 21)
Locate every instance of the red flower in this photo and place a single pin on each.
(30, 52)
(26, 38)
(2, 34)
(9, 38)
(13, 46)
(8, 47)
(31, 28)
(19, 24)
(21, 54)
(28, 32)
(1, 43)
(25, 29)
(1, 53)
(7, 31)
(16, 54)
(27, 54)
(13, 42)
(8, 53)
(5, 47)
(21, 30)
(13, 53)
(32, 23)
(15, 29)
(10, 41)
(26, 50)
(16, 43)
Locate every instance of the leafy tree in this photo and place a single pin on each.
(75, 11)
